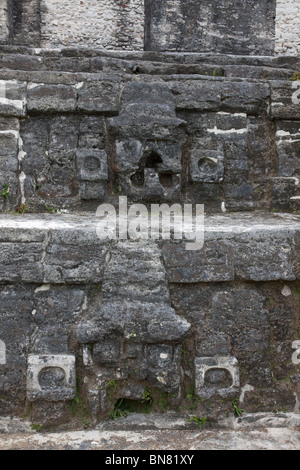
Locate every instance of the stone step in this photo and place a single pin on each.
(60, 249)
(91, 60)
(149, 63)
(227, 311)
(72, 140)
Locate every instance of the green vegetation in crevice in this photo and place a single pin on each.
(296, 76)
(199, 421)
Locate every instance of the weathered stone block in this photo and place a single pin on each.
(107, 352)
(90, 191)
(205, 365)
(9, 150)
(22, 262)
(207, 166)
(2, 353)
(288, 148)
(213, 263)
(245, 97)
(163, 369)
(283, 190)
(12, 98)
(71, 263)
(45, 98)
(239, 27)
(259, 253)
(99, 96)
(16, 328)
(200, 95)
(285, 99)
(4, 22)
(51, 378)
(92, 172)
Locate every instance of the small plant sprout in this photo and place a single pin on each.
(237, 410)
(22, 209)
(118, 412)
(296, 76)
(199, 421)
(36, 427)
(5, 191)
(50, 210)
(147, 400)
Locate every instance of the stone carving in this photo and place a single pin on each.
(81, 126)
(51, 377)
(92, 173)
(207, 166)
(134, 333)
(149, 142)
(224, 368)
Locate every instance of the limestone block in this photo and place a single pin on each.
(92, 173)
(99, 96)
(283, 190)
(207, 166)
(9, 149)
(222, 367)
(51, 378)
(4, 22)
(107, 352)
(245, 28)
(200, 95)
(44, 98)
(13, 98)
(285, 99)
(21, 262)
(288, 148)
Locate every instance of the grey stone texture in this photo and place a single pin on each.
(239, 27)
(93, 327)
(51, 377)
(159, 136)
(135, 321)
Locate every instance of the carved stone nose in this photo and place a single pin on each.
(152, 184)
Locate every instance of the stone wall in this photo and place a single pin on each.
(93, 327)
(234, 27)
(4, 22)
(72, 140)
(287, 27)
(148, 323)
(113, 25)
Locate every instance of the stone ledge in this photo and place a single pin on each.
(81, 59)
(162, 434)
(255, 247)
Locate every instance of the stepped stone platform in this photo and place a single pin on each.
(123, 314)
(216, 129)
(95, 328)
(258, 431)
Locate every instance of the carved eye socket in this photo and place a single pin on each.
(218, 377)
(166, 180)
(91, 164)
(207, 166)
(153, 160)
(138, 179)
(51, 377)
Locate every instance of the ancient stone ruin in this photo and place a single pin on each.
(163, 102)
